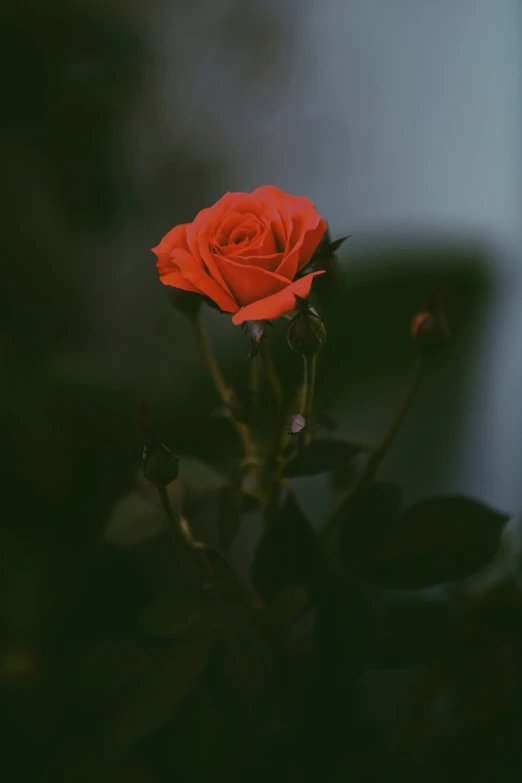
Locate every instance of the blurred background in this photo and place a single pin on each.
(401, 122)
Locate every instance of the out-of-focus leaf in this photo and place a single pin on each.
(407, 632)
(198, 479)
(132, 690)
(180, 618)
(341, 626)
(288, 555)
(322, 456)
(287, 607)
(437, 540)
(229, 514)
(133, 520)
(238, 676)
(343, 478)
(368, 518)
(226, 578)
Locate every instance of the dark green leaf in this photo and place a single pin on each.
(341, 626)
(287, 607)
(229, 514)
(198, 479)
(131, 690)
(438, 540)
(322, 456)
(343, 478)
(180, 618)
(288, 555)
(407, 632)
(226, 578)
(368, 519)
(237, 675)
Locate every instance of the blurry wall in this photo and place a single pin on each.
(406, 117)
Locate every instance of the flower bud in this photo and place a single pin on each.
(297, 424)
(306, 333)
(160, 465)
(430, 330)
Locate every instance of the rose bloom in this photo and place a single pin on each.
(245, 252)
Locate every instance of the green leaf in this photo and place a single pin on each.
(287, 607)
(288, 555)
(133, 520)
(407, 632)
(341, 626)
(322, 456)
(133, 690)
(180, 617)
(229, 514)
(229, 584)
(367, 519)
(198, 479)
(238, 676)
(435, 541)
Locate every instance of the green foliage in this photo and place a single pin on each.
(289, 554)
(435, 541)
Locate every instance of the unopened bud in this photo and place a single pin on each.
(306, 333)
(430, 331)
(297, 424)
(160, 465)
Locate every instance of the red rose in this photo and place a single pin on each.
(245, 252)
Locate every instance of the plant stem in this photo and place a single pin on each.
(309, 363)
(222, 389)
(379, 452)
(197, 554)
(271, 374)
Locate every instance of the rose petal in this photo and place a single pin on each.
(196, 274)
(307, 232)
(174, 239)
(249, 283)
(175, 279)
(278, 304)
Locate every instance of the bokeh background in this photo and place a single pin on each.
(400, 120)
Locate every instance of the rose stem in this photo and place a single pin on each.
(309, 363)
(199, 556)
(379, 452)
(271, 374)
(221, 387)
(174, 517)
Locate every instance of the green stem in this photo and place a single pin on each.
(271, 374)
(379, 452)
(222, 389)
(308, 392)
(197, 554)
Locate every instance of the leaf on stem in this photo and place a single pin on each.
(438, 540)
(288, 555)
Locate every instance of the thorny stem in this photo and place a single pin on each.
(379, 452)
(309, 363)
